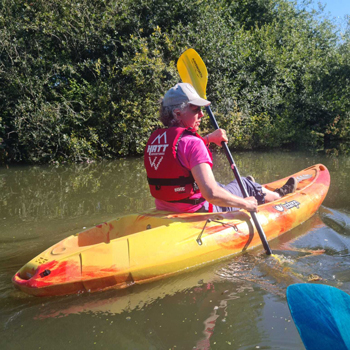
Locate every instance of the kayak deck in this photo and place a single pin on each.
(143, 247)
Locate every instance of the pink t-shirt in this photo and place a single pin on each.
(191, 151)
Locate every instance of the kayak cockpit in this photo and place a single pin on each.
(120, 227)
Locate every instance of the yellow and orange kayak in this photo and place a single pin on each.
(144, 247)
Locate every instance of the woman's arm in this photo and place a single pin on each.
(215, 194)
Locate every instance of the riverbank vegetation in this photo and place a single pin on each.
(81, 80)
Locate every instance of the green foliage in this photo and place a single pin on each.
(82, 80)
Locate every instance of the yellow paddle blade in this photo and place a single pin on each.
(192, 70)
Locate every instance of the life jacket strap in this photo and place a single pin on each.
(190, 201)
(180, 181)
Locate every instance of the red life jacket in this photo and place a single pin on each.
(167, 178)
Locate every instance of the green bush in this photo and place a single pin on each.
(82, 80)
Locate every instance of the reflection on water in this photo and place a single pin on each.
(48, 192)
(238, 303)
(337, 220)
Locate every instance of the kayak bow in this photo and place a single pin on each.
(144, 247)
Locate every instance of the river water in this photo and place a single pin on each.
(237, 303)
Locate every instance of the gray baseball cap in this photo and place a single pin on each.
(183, 92)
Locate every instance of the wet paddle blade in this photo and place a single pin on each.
(192, 70)
(321, 314)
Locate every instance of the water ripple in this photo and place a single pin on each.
(337, 220)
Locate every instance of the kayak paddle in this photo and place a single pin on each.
(192, 70)
(321, 314)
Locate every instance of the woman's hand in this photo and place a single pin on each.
(251, 204)
(217, 137)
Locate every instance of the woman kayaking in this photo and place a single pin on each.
(179, 163)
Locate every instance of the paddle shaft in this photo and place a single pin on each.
(240, 183)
